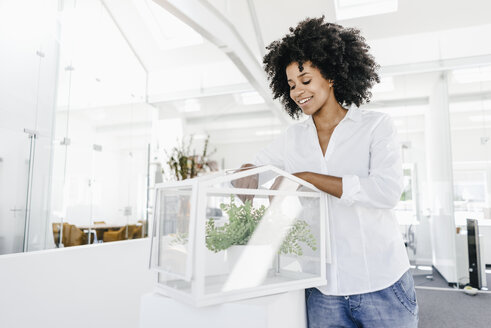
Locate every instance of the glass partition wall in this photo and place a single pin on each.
(444, 134)
(102, 132)
(470, 115)
(405, 98)
(74, 128)
(28, 65)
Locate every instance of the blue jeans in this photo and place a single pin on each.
(394, 306)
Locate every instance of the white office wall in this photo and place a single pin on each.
(86, 286)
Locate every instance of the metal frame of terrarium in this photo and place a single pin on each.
(194, 274)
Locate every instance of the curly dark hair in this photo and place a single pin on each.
(341, 55)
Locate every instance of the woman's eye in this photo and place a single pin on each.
(292, 87)
(307, 82)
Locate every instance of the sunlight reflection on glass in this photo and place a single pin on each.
(257, 256)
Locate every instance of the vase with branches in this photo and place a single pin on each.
(186, 165)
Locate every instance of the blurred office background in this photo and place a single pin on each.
(95, 94)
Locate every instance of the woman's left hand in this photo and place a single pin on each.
(279, 180)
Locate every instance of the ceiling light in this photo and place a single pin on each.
(470, 75)
(398, 122)
(267, 132)
(97, 115)
(250, 98)
(190, 105)
(347, 9)
(200, 136)
(480, 118)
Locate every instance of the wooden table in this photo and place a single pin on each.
(99, 229)
(101, 226)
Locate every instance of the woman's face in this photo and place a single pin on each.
(308, 88)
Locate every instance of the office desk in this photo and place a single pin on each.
(100, 228)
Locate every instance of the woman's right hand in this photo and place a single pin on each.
(276, 185)
(249, 182)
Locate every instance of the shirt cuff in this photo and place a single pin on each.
(351, 186)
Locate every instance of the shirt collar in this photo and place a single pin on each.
(353, 114)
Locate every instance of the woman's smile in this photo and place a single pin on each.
(304, 101)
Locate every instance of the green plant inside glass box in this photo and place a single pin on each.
(243, 221)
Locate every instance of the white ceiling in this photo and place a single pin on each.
(204, 72)
(412, 16)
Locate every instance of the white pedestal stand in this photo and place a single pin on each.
(286, 310)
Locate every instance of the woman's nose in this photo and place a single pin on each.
(298, 92)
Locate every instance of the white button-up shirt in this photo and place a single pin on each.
(367, 249)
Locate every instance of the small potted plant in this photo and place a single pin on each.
(242, 222)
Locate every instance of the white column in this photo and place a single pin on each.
(440, 181)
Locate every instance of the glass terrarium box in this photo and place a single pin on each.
(232, 236)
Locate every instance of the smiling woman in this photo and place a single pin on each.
(322, 69)
(340, 54)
